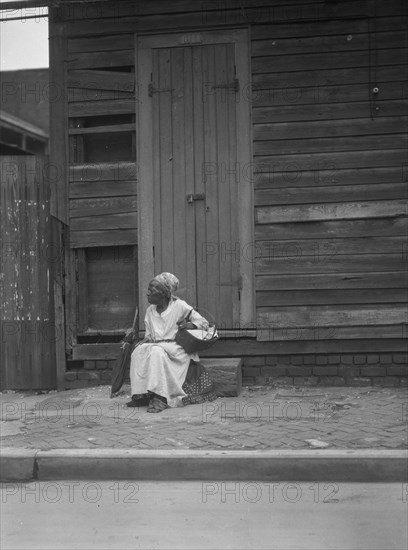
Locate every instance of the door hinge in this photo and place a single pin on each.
(195, 197)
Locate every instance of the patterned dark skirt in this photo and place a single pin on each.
(198, 385)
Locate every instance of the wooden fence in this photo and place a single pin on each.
(30, 264)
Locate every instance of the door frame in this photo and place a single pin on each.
(144, 43)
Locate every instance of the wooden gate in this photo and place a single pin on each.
(30, 263)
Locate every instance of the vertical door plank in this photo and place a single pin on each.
(245, 193)
(199, 185)
(145, 155)
(180, 228)
(156, 162)
(239, 257)
(165, 203)
(210, 238)
(228, 248)
(189, 277)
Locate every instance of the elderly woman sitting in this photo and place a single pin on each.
(162, 374)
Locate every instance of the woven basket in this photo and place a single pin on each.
(195, 340)
(191, 341)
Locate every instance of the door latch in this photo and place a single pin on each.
(195, 197)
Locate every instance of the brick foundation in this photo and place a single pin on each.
(385, 370)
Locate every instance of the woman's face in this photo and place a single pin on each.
(154, 294)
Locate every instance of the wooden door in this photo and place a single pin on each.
(194, 151)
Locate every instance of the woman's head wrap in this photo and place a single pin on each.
(168, 283)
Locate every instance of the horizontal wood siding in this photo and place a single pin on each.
(329, 169)
(101, 101)
(330, 180)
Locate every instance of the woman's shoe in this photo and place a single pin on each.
(139, 401)
(157, 405)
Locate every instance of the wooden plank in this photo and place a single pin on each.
(244, 8)
(296, 195)
(343, 159)
(82, 291)
(99, 108)
(164, 237)
(332, 281)
(319, 61)
(198, 68)
(323, 249)
(375, 227)
(104, 80)
(339, 263)
(106, 221)
(226, 190)
(209, 278)
(194, 15)
(70, 287)
(328, 83)
(327, 28)
(325, 103)
(247, 347)
(178, 74)
(103, 171)
(80, 208)
(95, 352)
(145, 192)
(128, 127)
(101, 189)
(83, 239)
(60, 334)
(321, 333)
(58, 129)
(327, 174)
(99, 59)
(94, 94)
(339, 211)
(333, 297)
(193, 125)
(101, 43)
(184, 122)
(332, 145)
(343, 42)
(245, 157)
(320, 128)
(361, 315)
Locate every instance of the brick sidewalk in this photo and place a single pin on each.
(260, 418)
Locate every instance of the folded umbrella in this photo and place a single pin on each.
(123, 361)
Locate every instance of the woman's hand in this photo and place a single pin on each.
(129, 335)
(187, 326)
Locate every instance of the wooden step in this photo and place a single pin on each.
(226, 372)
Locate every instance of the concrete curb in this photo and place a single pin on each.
(273, 465)
(17, 464)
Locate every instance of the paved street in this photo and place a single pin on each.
(260, 418)
(120, 514)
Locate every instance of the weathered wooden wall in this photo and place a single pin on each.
(330, 188)
(329, 156)
(29, 260)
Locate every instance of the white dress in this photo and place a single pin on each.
(161, 367)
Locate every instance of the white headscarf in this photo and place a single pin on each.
(168, 282)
